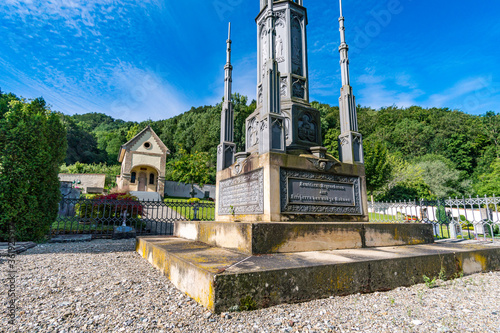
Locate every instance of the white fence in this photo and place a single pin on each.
(466, 217)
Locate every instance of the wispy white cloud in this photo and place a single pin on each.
(73, 55)
(144, 92)
(474, 95)
(386, 90)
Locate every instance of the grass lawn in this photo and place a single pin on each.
(379, 217)
(73, 225)
(206, 210)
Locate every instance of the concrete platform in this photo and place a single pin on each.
(283, 237)
(220, 278)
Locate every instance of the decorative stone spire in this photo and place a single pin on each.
(272, 102)
(227, 123)
(272, 126)
(225, 151)
(350, 142)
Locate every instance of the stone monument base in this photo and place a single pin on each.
(265, 238)
(294, 187)
(220, 279)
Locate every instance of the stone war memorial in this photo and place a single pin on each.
(291, 221)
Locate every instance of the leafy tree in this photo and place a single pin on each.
(90, 121)
(133, 131)
(489, 183)
(377, 166)
(82, 145)
(331, 141)
(406, 183)
(491, 125)
(442, 177)
(190, 168)
(241, 113)
(110, 142)
(32, 146)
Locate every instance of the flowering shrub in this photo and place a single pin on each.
(110, 206)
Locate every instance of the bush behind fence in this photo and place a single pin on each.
(100, 217)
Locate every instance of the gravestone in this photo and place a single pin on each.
(69, 197)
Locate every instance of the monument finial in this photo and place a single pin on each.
(343, 49)
(350, 142)
(225, 152)
(228, 58)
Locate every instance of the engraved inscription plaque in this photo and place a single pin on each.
(305, 192)
(242, 194)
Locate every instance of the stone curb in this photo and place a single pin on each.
(18, 248)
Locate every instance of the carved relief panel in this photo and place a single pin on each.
(252, 133)
(297, 45)
(307, 128)
(281, 40)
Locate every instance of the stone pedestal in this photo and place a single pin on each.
(284, 203)
(286, 237)
(293, 187)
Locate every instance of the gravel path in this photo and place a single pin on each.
(104, 286)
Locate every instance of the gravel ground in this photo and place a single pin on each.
(104, 286)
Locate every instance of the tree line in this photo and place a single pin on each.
(410, 152)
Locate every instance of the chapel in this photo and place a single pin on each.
(143, 161)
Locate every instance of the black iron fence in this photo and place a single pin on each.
(103, 217)
(466, 218)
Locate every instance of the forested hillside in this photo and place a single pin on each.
(409, 152)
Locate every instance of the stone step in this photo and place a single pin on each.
(282, 237)
(71, 238)
(220, 279)
(17, 248)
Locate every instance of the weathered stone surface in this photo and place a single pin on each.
(71, 238)
(276, 171)
(219, 278)
(15, 248)
(265, 238)
(242, 194)
(319, 193)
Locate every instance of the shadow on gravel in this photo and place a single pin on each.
(94, 246)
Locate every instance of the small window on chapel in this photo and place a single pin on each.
(151, 179)
(132, 179)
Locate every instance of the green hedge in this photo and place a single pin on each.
(32, 147)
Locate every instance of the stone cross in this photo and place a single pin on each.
(350, 141)
(226, 148)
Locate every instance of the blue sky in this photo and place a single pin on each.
(153, 59)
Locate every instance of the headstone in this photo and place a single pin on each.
(69, 196)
